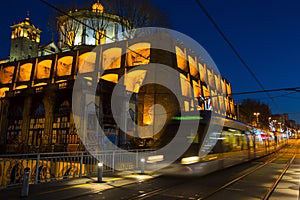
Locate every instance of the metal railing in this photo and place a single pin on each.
(46, 167)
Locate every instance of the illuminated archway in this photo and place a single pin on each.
(6, 74)
(24, 72)
(87, 62)
(111, 58)
(64, 66)
(138, 54)
(43, 69)
(181, 58)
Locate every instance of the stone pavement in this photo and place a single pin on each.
(66, 189)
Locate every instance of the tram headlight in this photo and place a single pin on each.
(190, 160)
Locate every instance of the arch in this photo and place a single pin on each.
(181, 58)
(134, 79)
(87, 62)
(25, 72)
(185, 89)
(193, 66)
(203, 74)
(138, 54)
(39, 109)
(111, 58)
(43, 69)
(196, 88)
(6, 74)
(64, 66)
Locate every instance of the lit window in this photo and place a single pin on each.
(71, 37)
(43, 69)
(138, 54)
(112, 58)
(87, 62)
(25, 72)
(6, 74)
(100, 37)
(185, 86)
(193, 67)
(181, 58)
(64, 66)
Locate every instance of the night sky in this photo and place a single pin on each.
(266, 34)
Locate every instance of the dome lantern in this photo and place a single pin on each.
(97, 7)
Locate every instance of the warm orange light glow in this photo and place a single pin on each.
(97, 7)
(6, 74)
(110, 77)
(25, 72)
(64, 66)
(40, 84)
(203, 74)
(181, 58)
(134, 80)
(112, 58)
(100, 37)
(43, 69)
(2, 91)
(138, 54)
(87, 62)
(70, 38)
(21, 87)
(190, 160)
(193, 67)
(185, 86)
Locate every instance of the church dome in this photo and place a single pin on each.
(98, 7)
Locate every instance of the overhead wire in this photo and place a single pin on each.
(235, 51)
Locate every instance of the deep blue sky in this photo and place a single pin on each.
(266, 34)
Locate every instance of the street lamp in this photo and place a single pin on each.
(256, 114)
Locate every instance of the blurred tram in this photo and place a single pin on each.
(236, 143)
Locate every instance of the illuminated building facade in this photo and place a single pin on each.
(25, 40)
(91, 27)
(36, 93)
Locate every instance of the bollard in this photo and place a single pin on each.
(100, 171)
(25, 187)
(143, 165)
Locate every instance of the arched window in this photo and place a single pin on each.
(193, 67)
(138, 54)
(25, 72)
(6, 74)
(181, 58)
(64, 66)
(87, 62)
(43, 69)
(111, 58)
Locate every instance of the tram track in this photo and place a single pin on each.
(270, 190)
(164, 187)
(152, 193)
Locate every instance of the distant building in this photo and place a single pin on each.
(91, 27)
(25, 40)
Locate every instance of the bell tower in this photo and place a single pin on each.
(25, 40)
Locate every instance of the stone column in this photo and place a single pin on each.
(28, 94)
(4, 105)
(49, 105)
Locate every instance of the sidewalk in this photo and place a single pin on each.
(66, 189)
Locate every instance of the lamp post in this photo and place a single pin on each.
(256, 114)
